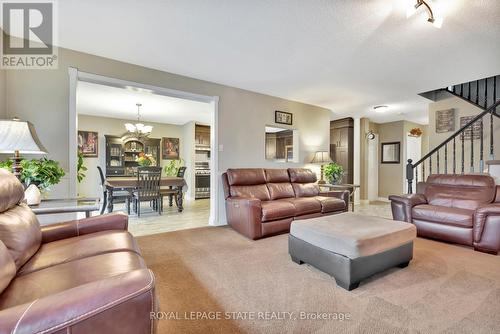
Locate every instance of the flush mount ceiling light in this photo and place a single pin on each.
(414, 5)
(380, 108)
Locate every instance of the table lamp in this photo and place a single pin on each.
(18, 137)
(321, 157)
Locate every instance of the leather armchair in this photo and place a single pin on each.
(463, 209)
(264, 202)
(81, 276)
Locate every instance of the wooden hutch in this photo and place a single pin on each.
(121, 153)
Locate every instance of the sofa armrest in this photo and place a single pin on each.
(73, 228)
(401, 205)
(244, 215)
(342, 194)
(487, 220)
(123, 303)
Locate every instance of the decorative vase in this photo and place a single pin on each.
(32, 195)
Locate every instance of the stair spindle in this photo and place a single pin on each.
(472, 148)
(486, 93)
(469, 84)
(454, 155)
(477, 92)
(463, 149)
(416, 176)
(430, 165)
(492, 155)
(423, 172)
(481, 147)
(462, 90)
(446, 159)
(437, 164)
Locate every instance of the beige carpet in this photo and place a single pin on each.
(446, 288)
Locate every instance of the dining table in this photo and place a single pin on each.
(120, 183)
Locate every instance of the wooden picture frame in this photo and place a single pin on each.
(283, 117)
(445, 120)
(170, 148)
(391, 153)
(88, 143)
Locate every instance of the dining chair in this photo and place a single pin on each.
(170, 191)
(119, 196)
(148, 188)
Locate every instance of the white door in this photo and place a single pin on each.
(373, 169)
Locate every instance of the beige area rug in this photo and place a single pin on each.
(446, 288)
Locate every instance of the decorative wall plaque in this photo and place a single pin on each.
(476, 127)
(445, 120)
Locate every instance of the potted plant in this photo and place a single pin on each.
(80, 168)
(416, 132)
(145, 160)
(334, 173)
(38, 175)
(172, 168)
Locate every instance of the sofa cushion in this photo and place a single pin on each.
(71, 249)
(259, 191)
(246, 176)
(280, 190)
(277, 175)
(305, 189)
(20, 232)
(51, 280)
(460, 191)
(304, 205)
(7, 267)
(273, 210)
(443, 215)
(330, 204)
(301, 175)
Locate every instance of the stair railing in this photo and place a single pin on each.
(412, 168)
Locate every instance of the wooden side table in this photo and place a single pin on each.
(346, 186)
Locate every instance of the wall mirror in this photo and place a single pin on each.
(391, 153)
(282, 144)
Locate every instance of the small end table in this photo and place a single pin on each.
(67, 205)
(345, 186)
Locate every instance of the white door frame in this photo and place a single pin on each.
(75, 75)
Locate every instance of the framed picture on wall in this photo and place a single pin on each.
(88, 143)
(445, 120)
(170, 148)
(476, 128)
(282, 117)
(391, 153)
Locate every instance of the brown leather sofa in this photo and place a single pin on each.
(82, 276)
(463, 209)
(264, 202)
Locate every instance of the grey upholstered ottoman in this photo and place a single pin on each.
(351, 247)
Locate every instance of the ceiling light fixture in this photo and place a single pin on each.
(412, 8)
(138, 130)
(381, 108)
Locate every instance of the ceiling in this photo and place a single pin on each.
(105, 101)
(347, 56)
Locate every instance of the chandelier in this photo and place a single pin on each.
(138, 130)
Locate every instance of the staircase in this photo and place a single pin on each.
(482, 94)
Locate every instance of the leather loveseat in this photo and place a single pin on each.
(463, 209)
(264, 202)
(82, 276)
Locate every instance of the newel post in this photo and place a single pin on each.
(409, 176)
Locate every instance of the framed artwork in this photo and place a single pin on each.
(170, 148)
(476, 127)
(391, 153)
(445, 120)
(88, 143)
(283, 117)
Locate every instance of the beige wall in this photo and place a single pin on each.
(89, 187)
(2, 95)
(462, 108)
(41, 96)
(391, 176)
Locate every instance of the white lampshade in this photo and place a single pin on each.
(147, 129)
(130, 127)
(16, 135)
(321, 157)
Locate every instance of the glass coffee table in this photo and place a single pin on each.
(67, 205)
